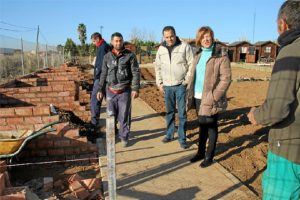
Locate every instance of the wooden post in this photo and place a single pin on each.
(111, 157)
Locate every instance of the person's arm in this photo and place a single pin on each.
(189, 60)
(281, 93)
(102, 80)
(135, 70)
(225, 79)
(159, 80)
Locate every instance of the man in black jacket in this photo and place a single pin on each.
(120, 78)
(101, 49)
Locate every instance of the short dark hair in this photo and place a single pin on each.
(96, 35)
(169, 28)
(116, 34)
(290, 13)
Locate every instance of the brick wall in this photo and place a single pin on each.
(24, 104)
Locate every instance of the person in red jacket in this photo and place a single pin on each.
(101, 49)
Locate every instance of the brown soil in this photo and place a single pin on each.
(242, 147)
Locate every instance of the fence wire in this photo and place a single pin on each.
(19, 57)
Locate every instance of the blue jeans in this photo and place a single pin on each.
(95, 104)
(173, 94)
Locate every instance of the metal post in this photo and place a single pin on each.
(22, 57)
(101, 27)
(111, 157)
(63, 53)
(47, 55)
(37, 47)
(52, 59)
(44, 66)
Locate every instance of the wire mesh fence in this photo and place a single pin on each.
(19, 57)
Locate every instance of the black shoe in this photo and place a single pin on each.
(206, 162)
(166, 140)
(197, 157)
(184, 145)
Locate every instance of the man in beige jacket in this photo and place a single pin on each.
(172, 66)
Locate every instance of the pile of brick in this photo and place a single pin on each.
(85, 188)
(25, 105)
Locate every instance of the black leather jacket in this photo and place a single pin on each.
(120, 72)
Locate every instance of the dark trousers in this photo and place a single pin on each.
(208, 130)
(119, 105)
(95, 104)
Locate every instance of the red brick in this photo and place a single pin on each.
(72, 151)
(15, 120)
(41, 95)
(46, 88)
(64, 94)
(3, 167)
(7, 179)
(70, 87)
(23, 90)
(59, 184)
(73, 133)
(25, 126)
(7, 112)
(93, 148)
(23, 111)
(35, 89)
(69, 98)
(56, 152)
(2, 183)
(74, 177)
(31, 144)
(8, 128)
(33, 120)
(77, 103)
(63, 104)
(14, 193)
(58, 88)
(78, 190)
(47, 99)
(29, 95)
(43, 110)
(91, 184)
(39, 153)
(2, 121)
(38, 126)
(81, 108)
(60, 126)
(84, 149)
(48, 119)
(34, 100)
(61, 78)
(44, 144)
(62, 143)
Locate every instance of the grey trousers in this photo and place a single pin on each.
(119, 105)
